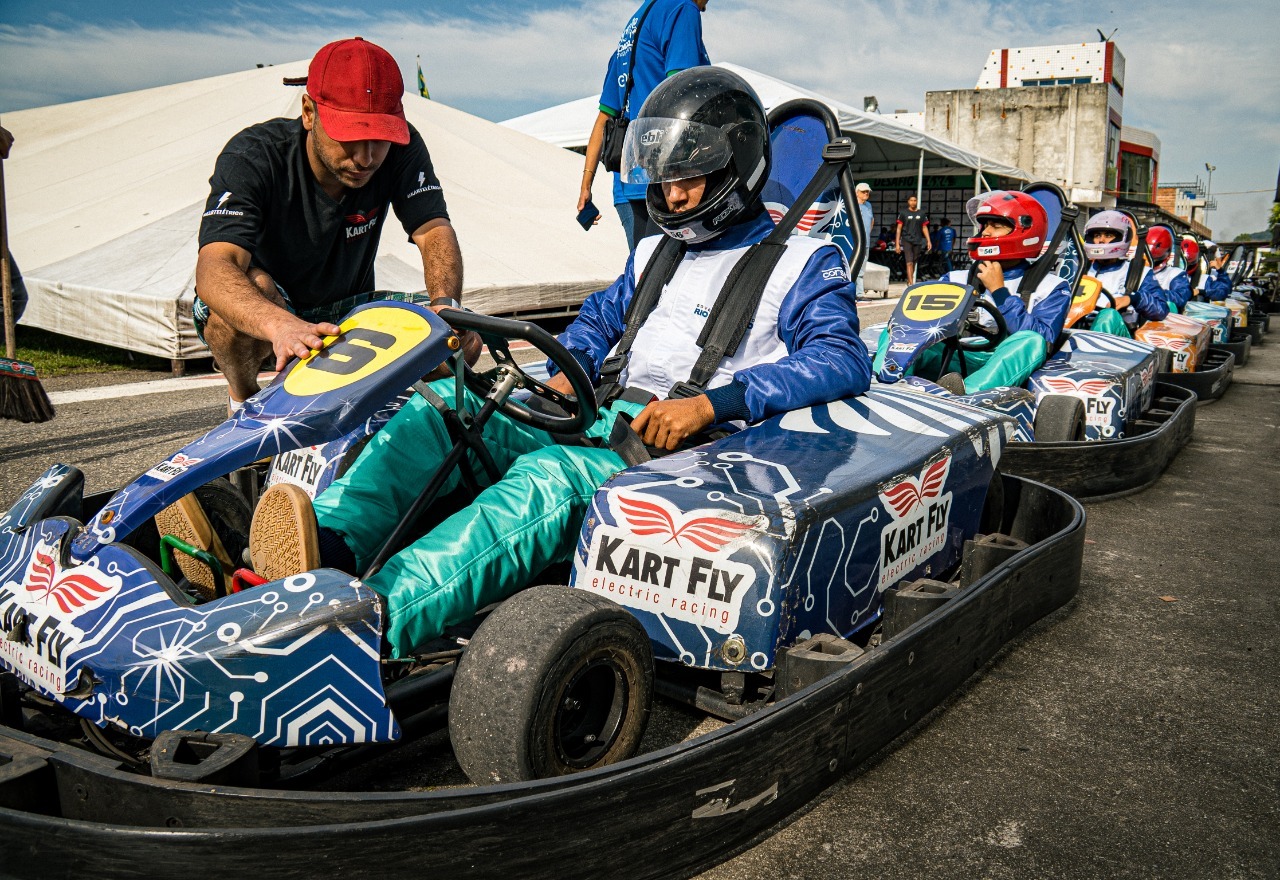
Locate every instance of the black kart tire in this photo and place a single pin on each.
(992, 519)
(230, 516)
(1059, 417)
(555, 681)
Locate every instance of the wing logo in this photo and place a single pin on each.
(710, 534)
(814, 218)
(1087, 387)
(359, 217)
(73, 592)
(909, 493)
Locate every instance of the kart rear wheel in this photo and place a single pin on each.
(555, 681)
(1059, 417)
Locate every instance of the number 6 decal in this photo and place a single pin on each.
(345, 357)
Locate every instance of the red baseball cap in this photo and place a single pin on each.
(357, 87)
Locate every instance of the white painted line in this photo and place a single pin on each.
(136, 389)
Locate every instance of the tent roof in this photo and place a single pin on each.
(107, 194)
(885, 148)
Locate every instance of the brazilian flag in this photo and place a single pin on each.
(422, 83)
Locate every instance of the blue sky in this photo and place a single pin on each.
(1212, 94)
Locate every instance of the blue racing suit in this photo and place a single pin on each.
(1217, 285)
(1147, 303)
(803, 348)
(1176, 285)
(1032, 332)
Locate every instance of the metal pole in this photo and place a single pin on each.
(920, 179)
(1208, 194)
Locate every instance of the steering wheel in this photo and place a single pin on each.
(987, 339)
(580, 408)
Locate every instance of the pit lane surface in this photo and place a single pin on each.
(1132, 734)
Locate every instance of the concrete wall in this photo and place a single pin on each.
(1058, 133)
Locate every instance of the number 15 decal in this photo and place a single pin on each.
(371, 340)
(934, 300)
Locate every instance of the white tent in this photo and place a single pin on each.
(885, 148)
(105, 197)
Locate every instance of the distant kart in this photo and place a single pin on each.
(820, 580)
(1093, 420)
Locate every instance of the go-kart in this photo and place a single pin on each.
(1092, 420)
(759, 570)
(819, 581)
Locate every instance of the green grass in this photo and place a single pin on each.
(57, 355)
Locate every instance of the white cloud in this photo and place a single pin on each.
(1210, 96)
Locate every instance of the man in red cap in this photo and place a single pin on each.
(295, 210)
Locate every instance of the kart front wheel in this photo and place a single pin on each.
(1059, 417)
(555, 681)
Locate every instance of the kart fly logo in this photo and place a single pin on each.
(174, 467)
(219, 211)
(1098, 404)
(38, 615)
(670, 563)
(919, 515)
(361, 222)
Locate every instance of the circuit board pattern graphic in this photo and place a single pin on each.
(294, 662)
(813, 485)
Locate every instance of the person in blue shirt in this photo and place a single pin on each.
(946, 241)
(1108, 238)
(669, 41)
(701, 141)
(863, 194)
(1010, 229)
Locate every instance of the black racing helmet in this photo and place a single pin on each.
(704, 121)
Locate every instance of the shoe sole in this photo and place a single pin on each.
(185, 519)
(283, 539)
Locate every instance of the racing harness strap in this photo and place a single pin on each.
(738, 301)
(1039, 270)
(659, 271)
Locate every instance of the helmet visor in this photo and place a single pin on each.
(659, 149)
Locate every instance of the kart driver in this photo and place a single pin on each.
(701, 144)
(1215, 284)
(1010, 229)
(1173, 280)
(1107, 238)
(291, 227)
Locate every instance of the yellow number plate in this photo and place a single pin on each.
(929, 302)
(370, 341)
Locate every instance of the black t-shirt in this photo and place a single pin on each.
(913, 224)
(264, 197)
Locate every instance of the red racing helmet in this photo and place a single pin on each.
(1160, 244)
(1018, 209)
(1190, 250)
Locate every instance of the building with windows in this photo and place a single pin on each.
(1053, 110)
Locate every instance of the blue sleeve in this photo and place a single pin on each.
(1218, 286)
(600, 323)
(1149, 299)
(826, 360)
(1046, 318)
(1180, 289)
(683, 47)
(611, 91)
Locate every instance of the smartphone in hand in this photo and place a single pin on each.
(587, 216)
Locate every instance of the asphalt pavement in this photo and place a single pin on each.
(1131, 734)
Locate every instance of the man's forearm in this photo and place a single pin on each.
(229, 293)
(442, 262)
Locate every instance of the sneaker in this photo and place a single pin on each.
(953, 382)
(282, 539)
(185, 519)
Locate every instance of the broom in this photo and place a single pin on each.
(22, 397)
